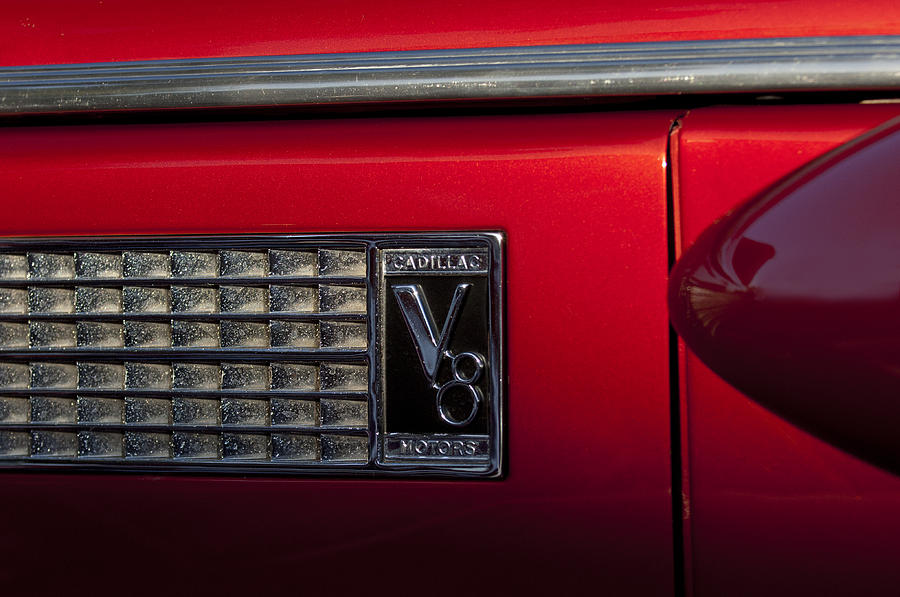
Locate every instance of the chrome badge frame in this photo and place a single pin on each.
(412, 272)
(434, 358)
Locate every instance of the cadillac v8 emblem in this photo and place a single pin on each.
(368, 354)
(441, 362)
(433, 348)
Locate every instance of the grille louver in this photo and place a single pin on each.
(185, 353)
(253, 354)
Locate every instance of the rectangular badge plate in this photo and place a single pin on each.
(300, 355)
(441, 368)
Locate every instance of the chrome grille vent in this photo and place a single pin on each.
(185, 352)
(305, 354)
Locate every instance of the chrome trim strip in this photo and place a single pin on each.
(597, 70)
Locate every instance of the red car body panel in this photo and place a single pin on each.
(585, 504)
(61, 31)
(587, 496)
(771, 509)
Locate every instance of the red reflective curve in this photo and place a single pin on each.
(770, 509)
(795, 297)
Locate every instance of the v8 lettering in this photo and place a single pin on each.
(432, 348)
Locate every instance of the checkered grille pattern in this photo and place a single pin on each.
(197, 354)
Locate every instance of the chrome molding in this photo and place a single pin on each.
(598, 70)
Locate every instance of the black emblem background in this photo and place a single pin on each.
(409, 398)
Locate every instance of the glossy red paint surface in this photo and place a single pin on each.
(793, 298)
(62, 31)
(585, 506)
(772, 509)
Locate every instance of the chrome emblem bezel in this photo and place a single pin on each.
(471, 262)
(464, 260)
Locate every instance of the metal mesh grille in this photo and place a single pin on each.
(197, 354)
